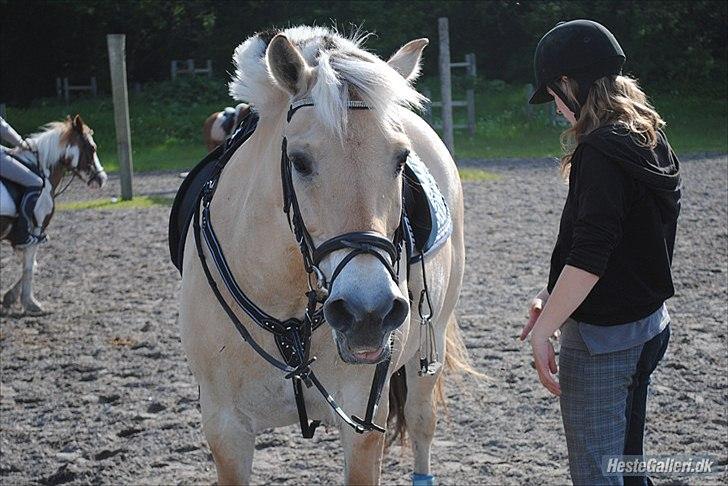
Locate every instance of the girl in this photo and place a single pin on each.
(610, 268)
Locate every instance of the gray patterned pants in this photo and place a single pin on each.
(603, 401)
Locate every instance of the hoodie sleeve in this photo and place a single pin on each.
(8, 134)
(601, 190)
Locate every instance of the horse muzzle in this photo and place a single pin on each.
(98, 180)
(363, 355)
(364, 312)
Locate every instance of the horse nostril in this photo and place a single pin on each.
(397, 314)
(342, 314)
(337, 314)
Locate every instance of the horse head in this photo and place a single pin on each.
(79, 152)
(346, 172)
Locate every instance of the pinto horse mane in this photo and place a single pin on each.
(52, 142)
(343, 70)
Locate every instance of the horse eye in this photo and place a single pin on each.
(301, 163)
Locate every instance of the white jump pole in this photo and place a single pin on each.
(117, 64)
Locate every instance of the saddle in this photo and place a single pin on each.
(11, 195)
(427, 216)
(228, 119)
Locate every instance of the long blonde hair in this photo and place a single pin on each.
(615, 99)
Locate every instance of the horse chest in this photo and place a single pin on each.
(271, 403)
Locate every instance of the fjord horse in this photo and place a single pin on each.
(347, 173)
(61, 147)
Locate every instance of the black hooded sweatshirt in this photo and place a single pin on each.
(619, 223)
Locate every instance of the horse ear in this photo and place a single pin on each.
(288, 67)
(406, 61)
(78, 123)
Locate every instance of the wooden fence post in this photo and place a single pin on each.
(445, 84)
(470, 93)
(117, 65)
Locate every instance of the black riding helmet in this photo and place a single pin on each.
(583, 50)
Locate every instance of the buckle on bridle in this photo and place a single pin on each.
(366, 425)
(301, 372)
(320, 286)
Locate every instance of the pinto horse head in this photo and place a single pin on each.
(79, 152)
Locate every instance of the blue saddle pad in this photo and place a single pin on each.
(428, 216)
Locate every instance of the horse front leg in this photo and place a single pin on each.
(12, 295)
(231, 441)
(420, 410)
(30, 305)
(421, 418)
(362, 456)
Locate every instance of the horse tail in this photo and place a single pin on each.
(396, 423)
(457, 361)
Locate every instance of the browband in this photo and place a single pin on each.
(351, 104)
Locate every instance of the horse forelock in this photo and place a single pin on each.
(343, 70)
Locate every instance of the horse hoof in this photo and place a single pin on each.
(9, 299)
(33, 308)
(423, 480)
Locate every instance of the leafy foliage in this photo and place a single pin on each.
(167, 118)
(668, 42)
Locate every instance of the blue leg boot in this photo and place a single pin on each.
(423, 480)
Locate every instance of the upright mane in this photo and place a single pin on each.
(343, 70)
(50, 143)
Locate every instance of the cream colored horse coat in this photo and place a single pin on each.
(354, 189)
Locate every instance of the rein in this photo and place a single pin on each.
(293, 336)
(59, 193)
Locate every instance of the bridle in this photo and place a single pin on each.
(360, 242)
(293, 336)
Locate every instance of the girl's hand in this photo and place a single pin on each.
(544, 359)
(534, 310)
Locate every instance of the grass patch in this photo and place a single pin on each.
(167, 118)
(472, 174)
(696, 123)
(139, 202)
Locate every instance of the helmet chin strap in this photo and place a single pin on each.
(574, 106)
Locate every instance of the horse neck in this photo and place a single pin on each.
(56, 176)
(248, 217)
(49, 152)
